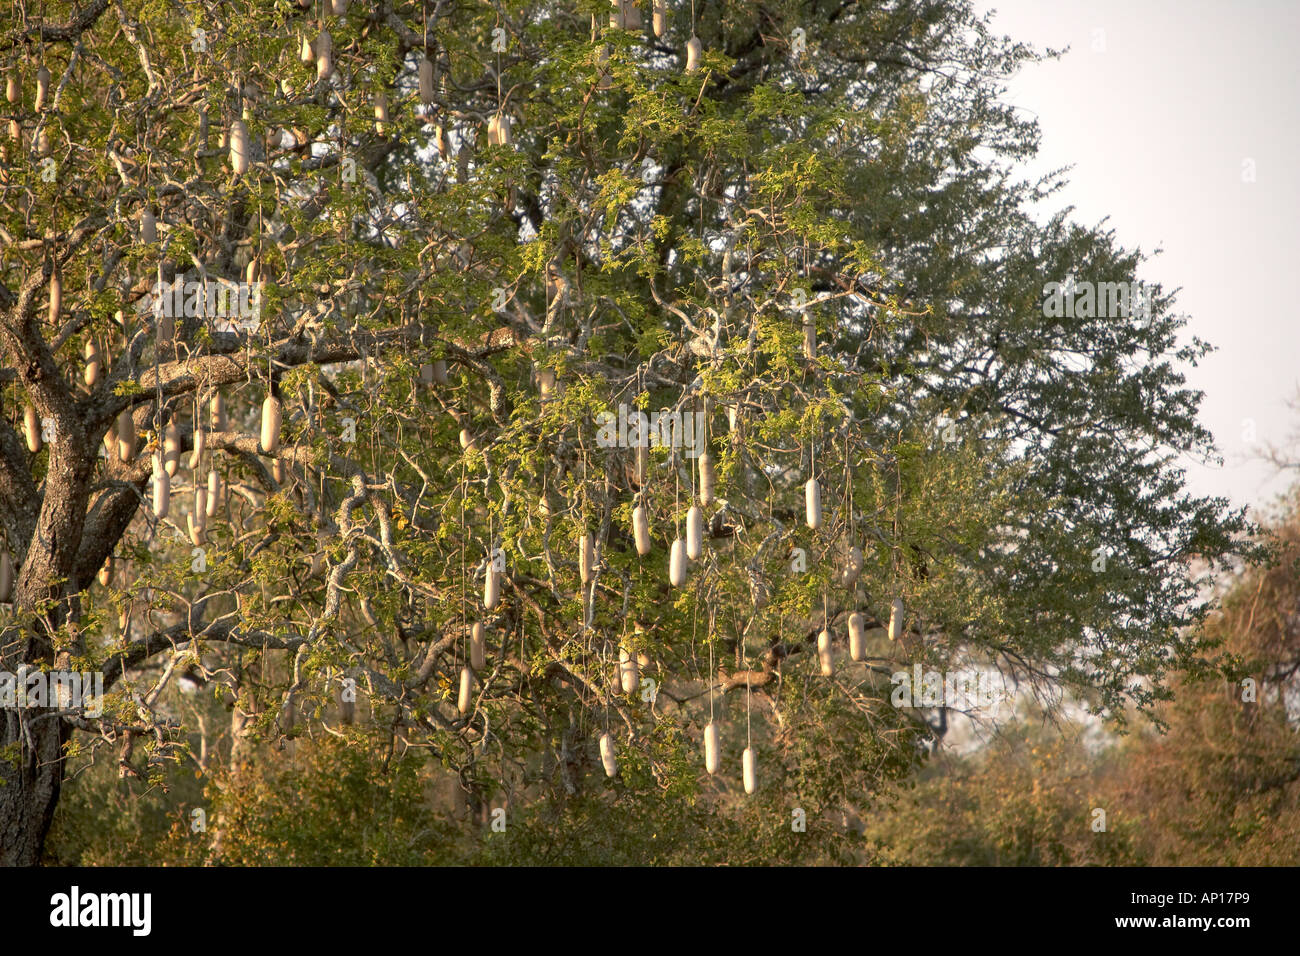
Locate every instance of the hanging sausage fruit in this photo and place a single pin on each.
(272, 418)
(491, 586)
(6, 575)
(171, 449)
(214, 492)
(896, 619)
(824, 657)
(707, 479)
(324, 55)
(694, 51)
(200, 443)
(857, 637)
(477, 647)
(812, 497)
(239, 147)
(426, 81)
(711, 747)
(607, 756)
(162, 489)
(677, 563)
(586, 558)
(659, 20)
(694, 533)
(56, 295)
(629, 674)
(91, 373)
(42, 89)
(641, 530)
(32, 429)
(126, 436)
(750, 771)
(466, 688)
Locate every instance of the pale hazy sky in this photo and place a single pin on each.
(1159, 104)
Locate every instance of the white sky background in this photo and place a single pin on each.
(1157, 128)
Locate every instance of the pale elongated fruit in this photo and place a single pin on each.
(426, 81)
(106, 572)
(171, 450)
(339, 7)
(812, 501)
(324, 55)
(197, 533)
(659, 20)
(694, 51)
(42, 89)
(466, 690)
(220, 421)
(750, 770)
(677, 563)
(707, 479)
(491, 587)
(306, 52)
(477, 646)
(201, 507)
(853, 566)
(148, 226)
(586, 557)
(824, 656)
(56, 296)
(499, 130)
(214, 492)
(711, 747)
(6, 575)
(896, 615)
(272, 417)
(200, 443)
(93, 364)
(857, 636)
(629, 674)
(125, 436)
(381, 112)
(694, 533)
(642, 464)
(809, 338)
(32, 429)
(641, 530)
(239, 147)
(12, 89)
(162, 490)
(608, 756)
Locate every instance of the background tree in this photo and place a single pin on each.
(479, 227)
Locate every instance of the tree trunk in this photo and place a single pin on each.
(29, 783)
